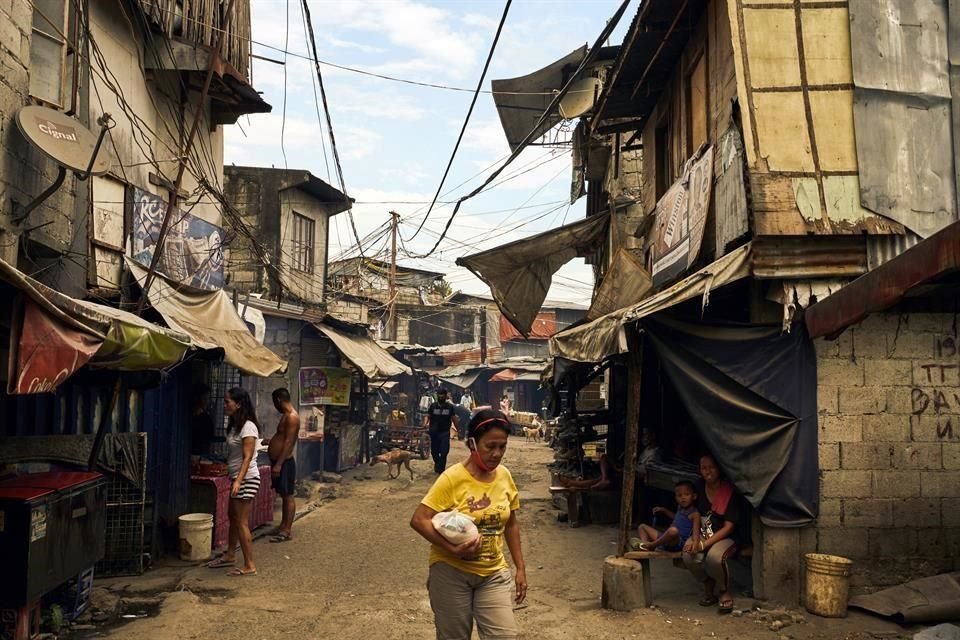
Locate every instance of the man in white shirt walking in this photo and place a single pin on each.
(466, 401)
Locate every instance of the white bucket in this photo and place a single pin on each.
(196, 536)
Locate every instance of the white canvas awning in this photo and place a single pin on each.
(599, 339)
(211, 321)
(519, 274)
(364, 353)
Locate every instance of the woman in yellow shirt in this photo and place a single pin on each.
(471, 582)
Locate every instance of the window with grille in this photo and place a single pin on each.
(303, 234)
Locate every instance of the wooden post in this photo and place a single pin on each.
(483, 334)
(634, 373)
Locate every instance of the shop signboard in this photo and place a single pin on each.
(325, 386)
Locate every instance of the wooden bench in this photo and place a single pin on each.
(587, 506)
(644, 558)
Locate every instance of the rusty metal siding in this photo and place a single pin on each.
(810, 257)
(883, 249)
(730, 195)
(902, 111)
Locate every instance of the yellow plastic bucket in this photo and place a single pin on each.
(196, 536)
(828, 585)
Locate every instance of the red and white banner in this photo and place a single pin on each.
(47, 350)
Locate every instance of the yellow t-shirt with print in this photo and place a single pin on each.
(488, 503)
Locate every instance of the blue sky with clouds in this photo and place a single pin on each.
(394, 139)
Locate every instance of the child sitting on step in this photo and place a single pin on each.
(679, 530)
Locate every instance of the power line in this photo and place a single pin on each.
(283, 121)
(326, 109)
(316, 104)
(588, 59)
(466, 120)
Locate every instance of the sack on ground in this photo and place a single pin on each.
(456, 527)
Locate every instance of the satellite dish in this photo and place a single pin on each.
(63, 139)
(580, 98)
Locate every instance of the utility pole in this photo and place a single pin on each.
(392, 312)
(483, 334)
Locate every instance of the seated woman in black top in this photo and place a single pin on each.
(716, 530)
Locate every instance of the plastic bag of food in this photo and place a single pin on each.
(456, 527)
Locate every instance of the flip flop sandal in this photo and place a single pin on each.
(708, 602)
(281, 537)
(220, 563)
(725, 607)
(240, 573)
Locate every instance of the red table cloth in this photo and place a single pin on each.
(261, 512)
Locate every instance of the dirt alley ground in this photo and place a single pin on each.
(355, 570)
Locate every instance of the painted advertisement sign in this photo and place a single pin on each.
(48, 352)
(681, 217)
(192, 251)
(325, 385)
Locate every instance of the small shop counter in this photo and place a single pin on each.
(211, 494)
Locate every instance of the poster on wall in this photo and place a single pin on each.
(312, 423)
(325, 385)
(681, 216)
(192, 251)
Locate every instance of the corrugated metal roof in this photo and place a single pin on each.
(883, 249)
(930, 260)
(816, 257)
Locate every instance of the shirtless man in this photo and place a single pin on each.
(283, 465)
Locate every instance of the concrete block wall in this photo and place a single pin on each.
(889, 446)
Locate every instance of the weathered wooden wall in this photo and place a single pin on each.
(795, 83)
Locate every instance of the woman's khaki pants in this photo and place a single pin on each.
(458, 598)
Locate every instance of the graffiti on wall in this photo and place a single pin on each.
(192, 251)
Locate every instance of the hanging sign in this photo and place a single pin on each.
(325, 385)
(681, 217)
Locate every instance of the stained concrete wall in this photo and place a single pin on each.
(283, 338)
(55, 227)
(54, 241)
(308, 287)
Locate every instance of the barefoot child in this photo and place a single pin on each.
(682, 526)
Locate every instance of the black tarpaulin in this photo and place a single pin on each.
(751, 392)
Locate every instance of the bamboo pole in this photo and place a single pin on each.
(634, 378)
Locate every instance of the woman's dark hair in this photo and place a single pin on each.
(706, 454)
(245, 411)
(485, 420)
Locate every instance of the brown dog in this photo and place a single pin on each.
(532, 433)
(394, 457)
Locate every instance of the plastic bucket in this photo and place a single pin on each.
(828, 585)
(196, 536)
